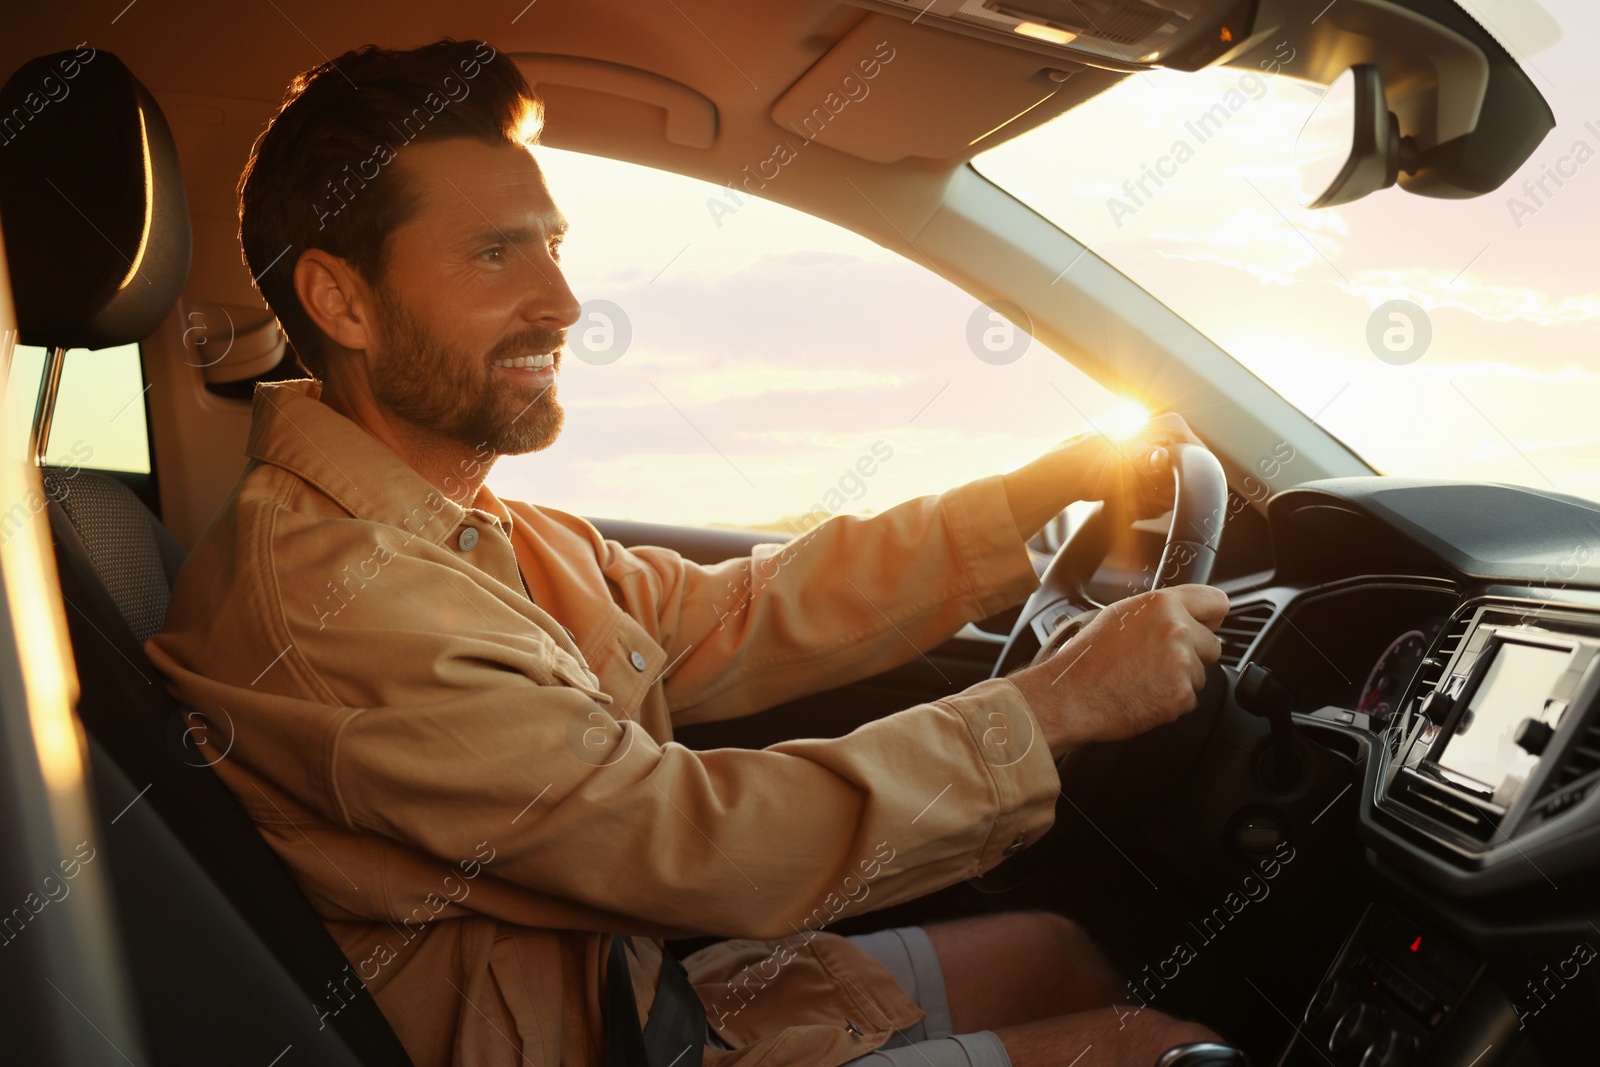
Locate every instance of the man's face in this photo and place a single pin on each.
(472, 287)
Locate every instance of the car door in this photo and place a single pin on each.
(62, 963)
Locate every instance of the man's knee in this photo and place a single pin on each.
(1073, 952)
(1124, 1036)
(1170, 1032)
(1061, 932)
(1150, 1033)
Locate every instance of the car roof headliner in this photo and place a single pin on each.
(219, 73)
(742, 56)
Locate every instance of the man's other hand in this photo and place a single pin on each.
(1136, 471)
(1138, 664)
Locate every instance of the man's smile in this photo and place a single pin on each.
(538, 369)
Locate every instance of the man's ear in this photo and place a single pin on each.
(334, 296)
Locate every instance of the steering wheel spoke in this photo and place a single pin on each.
(1199, 508)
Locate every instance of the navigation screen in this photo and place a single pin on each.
(1513, 688)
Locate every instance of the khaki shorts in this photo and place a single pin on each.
(907, 954)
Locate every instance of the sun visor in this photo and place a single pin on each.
(855, 99)
(594, 94)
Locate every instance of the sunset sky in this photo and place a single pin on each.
(1509, 388)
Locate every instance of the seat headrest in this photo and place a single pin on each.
(91, 202)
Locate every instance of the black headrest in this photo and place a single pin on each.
(91, 201)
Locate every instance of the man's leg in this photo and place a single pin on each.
(1038, 981)
(1108, 1037)
(1001, 970)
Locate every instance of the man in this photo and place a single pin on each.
(453, 714)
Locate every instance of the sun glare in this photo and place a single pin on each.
(1123, 421)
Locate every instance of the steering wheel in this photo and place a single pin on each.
(1062, 605)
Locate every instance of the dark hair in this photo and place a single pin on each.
(320, 175)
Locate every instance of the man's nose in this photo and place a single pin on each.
(552, 302)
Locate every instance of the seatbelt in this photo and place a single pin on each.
(674, 1036)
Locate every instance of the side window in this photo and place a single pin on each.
(100, 411)
(742, 363)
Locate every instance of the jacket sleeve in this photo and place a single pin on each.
(847, 599)
(739, 843)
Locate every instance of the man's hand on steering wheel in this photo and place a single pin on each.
(1139, 664)
(1137, 471)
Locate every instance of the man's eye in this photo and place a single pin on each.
(493, 255)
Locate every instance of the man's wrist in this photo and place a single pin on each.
(1039, 491)
(1049, 697)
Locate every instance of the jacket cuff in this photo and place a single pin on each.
(1013, 749)
(998, 567)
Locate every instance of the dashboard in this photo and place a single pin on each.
(1451, 633)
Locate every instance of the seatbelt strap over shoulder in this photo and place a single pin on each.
(674, 1036)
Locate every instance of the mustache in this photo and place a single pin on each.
(530, 342)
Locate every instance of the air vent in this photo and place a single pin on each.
(1576, 774)
(1239, 630)
(1444, 651)
(1444, 806)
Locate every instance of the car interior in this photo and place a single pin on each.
(1323, 862)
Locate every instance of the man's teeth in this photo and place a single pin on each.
(538, 362)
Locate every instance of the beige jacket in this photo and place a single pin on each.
(455, 727)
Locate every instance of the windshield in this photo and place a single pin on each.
(1435, 338)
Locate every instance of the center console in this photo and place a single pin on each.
(1491, 758)
(1393, 987)
(1502, 739)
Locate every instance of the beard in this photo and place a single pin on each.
(454, 392)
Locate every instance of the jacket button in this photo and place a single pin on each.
(1016, 846)
(637, 659)
(468, 539)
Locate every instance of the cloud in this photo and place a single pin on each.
(1434, 289)
(1258, 241)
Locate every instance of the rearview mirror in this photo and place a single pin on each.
(1350, 145)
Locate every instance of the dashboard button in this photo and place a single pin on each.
(1393, 1048)
(1354, 1029)
(1533, 736)
(1435, 706)
(1327, 1004)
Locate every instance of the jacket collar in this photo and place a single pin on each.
(291, 428)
